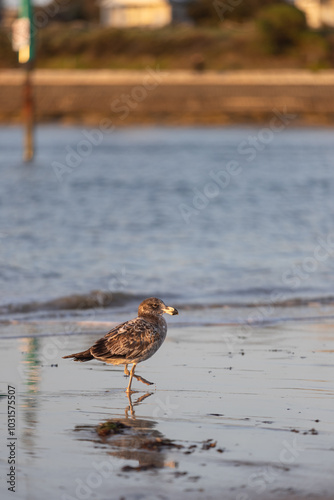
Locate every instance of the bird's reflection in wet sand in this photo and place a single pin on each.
(132, 438)
(137, 402)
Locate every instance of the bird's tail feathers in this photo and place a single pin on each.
(81, 356)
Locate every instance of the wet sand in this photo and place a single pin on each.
(235, 413)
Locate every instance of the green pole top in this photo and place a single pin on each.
(27, 49)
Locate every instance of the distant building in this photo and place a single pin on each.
(135, 13)
(318, 12)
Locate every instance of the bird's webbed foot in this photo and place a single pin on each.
(141, 379)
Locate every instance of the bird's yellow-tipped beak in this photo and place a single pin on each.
(170, 310)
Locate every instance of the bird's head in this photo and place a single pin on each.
(155, 307)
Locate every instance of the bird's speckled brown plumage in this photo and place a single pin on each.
(133, 341)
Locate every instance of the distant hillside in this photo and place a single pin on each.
(233, 46)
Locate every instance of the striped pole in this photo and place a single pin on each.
(24, 44)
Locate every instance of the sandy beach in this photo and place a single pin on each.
(235, 414)
(242, 402)
(153, 96)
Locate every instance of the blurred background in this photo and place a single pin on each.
(182, 149)
(177, 34)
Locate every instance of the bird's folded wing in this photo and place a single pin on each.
(127, 340)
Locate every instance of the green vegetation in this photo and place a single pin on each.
(281, 27)
(69, 10)
(276, 37)
(110, 427)
(214, 12)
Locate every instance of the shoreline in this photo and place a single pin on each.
(245, 419)
(126, 98)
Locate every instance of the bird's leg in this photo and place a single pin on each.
(141, 379)
(137, 402)
(126, 371)
(130, 407)
(128, 389)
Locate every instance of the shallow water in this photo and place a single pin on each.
(243, 387)
(132, 216)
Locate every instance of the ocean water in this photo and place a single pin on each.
(218, 221)
(233, 226)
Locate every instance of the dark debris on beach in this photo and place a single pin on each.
(111, 427)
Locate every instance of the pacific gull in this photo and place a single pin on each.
(133, 341)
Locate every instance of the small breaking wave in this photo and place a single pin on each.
(290, 302)
(98, 299)
(94, 299)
